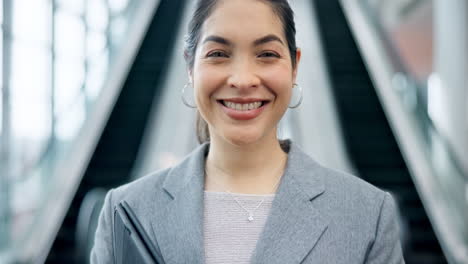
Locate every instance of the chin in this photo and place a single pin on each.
(243, 135)
(241, 142)
(243, 139)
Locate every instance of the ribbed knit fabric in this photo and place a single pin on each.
(229, 236)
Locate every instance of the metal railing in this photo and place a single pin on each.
(437, 174)
(60, 168)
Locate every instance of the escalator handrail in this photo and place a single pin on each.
(408, 134)
(37, 245)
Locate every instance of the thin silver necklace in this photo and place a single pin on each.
(250, 213)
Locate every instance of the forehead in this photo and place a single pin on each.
(243, 18)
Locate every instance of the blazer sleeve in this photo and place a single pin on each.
(386, 248)
(102, 251)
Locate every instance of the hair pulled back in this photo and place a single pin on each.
(203, 9)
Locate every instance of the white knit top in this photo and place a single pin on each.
(229, 236)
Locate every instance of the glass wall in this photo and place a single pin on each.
(408, 27)
(56, 55)
(426, 42)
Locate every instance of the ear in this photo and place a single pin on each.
(298, 60)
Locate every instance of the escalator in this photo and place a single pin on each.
(368, 134)
(117, 148)
(369, 138)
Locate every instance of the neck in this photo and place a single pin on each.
(253, 168)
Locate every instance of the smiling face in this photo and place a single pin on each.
(242, 73)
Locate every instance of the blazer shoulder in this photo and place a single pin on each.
(156, 187)
(143, 188)
(339, 181)
(350, 194)
(354, 204)
(337, 185)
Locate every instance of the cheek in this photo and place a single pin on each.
(279, 80)
(206, 81)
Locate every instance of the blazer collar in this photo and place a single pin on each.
(291, 231)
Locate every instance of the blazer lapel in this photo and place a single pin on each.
(292, 229)
(180, 232)
(294, 226)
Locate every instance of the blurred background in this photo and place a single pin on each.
(90, 99)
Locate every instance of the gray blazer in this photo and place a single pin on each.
(318, 215)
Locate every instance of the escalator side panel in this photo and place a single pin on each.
(369, 138)
(118, 145)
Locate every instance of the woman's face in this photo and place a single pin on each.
(242, 74)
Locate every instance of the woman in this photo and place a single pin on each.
(243, 196)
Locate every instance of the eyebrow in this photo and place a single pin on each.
(266, 39)
(217, 39)
(260, 41)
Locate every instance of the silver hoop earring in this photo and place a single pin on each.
(182, 96)
(299, 101)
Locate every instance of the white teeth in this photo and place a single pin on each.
(242, 107)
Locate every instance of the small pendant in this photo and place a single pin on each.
(250, 218)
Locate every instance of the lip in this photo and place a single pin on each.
(243, 115)
(240, 100)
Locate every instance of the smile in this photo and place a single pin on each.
(243, 109)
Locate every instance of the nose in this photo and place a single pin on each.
(243, 76)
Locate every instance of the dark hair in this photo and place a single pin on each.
(203, 10)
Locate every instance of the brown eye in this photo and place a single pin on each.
(269, 54)
(217, 54)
